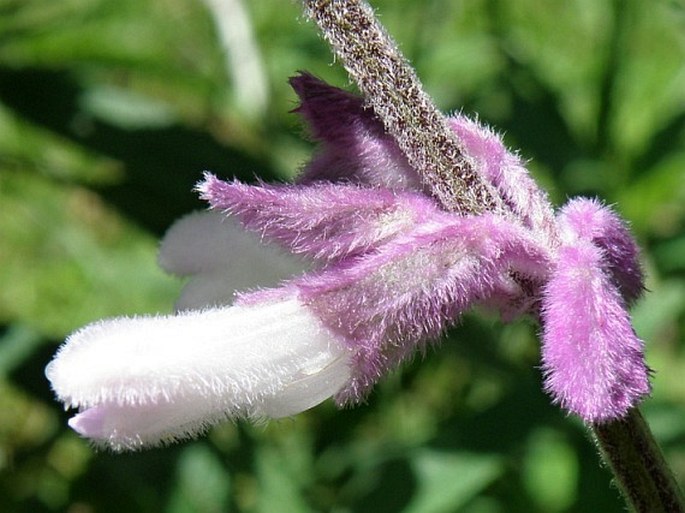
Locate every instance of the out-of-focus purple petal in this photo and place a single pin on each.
(355, 147)
(321, 220)
(589, 220)
(592, 359)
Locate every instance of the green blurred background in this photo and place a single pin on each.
(111, 110)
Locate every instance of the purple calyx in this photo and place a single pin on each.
(394, 270)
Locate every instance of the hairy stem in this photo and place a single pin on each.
(396, 95)
(638, 465)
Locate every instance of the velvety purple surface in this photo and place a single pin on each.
(592, 359)
(354, 145)
(396, 270)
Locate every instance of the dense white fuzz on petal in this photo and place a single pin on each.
(150, 380)
(221, 258)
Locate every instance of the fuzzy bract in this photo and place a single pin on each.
(592, 358)
(354, 145)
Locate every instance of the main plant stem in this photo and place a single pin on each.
(635, 459)
(396, 95)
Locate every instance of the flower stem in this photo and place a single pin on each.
(396, 95)
(635, 459)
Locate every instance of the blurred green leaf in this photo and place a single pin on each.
(27, 148)
(670, 255)
(550, 471)
(280, 479)
(127, 109)
(568, 57)
(67, 259)
(16, 345)
(202, 484)
(655, 202)
(659, 308)
(447, 481)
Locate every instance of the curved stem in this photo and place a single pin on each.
(645, 480)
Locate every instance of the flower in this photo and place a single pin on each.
(144, 381)
(389, 270)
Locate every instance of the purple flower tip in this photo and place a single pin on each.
(88, 423)
(324, 221)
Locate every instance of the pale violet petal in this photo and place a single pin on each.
(196, 242)
(323, 378)
(209, 289)
(134, 427)
(149, 380)
(221, 258)
(211, 241)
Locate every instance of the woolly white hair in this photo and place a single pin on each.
(147, 381)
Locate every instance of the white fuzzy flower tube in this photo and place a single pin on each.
(148, 381)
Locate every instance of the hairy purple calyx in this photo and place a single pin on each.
(394, 269)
